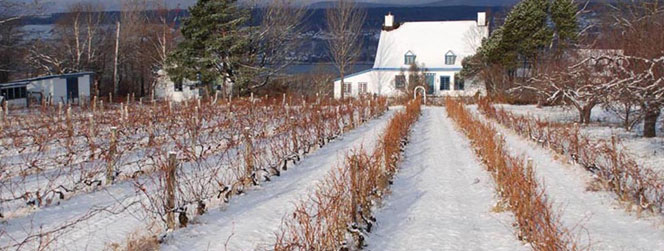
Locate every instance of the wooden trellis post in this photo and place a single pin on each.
(248, 152)
(92, 125)
(170, 190)
(110, 161)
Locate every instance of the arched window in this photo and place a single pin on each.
(450, 58)
(409, 58)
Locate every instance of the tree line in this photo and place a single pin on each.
(127, 52)
(555, 52)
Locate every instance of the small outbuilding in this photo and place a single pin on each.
(64, 88)
(14, 93)
(177, 91)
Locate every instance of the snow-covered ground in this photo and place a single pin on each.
(251, 221)
(442, 197)
(595, 217)
(93, 221)
(646, 151)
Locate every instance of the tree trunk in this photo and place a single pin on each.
(343, 95)
(650, 122)
(584, 113)
(116, 84)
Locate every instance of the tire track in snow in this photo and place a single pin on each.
(605, 224)
(251, 221)
(442, 196)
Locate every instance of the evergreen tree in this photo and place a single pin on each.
(526, 31)
(563, 16)
(215, 43)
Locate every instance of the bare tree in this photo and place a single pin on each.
(276, 41)
(636, 29)
(575, 80)
(11, 35)
(79, 36)
(344, 23)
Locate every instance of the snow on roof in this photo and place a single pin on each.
(430, 42)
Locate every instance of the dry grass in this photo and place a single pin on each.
(337, 215)
(617, 172)
(516, 184)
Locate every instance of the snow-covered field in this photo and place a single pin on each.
(47, 202)
(251, 221)
(442, 197)
(646, 151)
(595, 217)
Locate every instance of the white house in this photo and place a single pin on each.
(64, 88)
(167, 89)
(437, 47)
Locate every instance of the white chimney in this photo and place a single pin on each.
(481, 18)
(389, 20)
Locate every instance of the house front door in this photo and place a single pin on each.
(72, 88)
(430, 79)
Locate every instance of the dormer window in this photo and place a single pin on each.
(450, 58)
(409, 58)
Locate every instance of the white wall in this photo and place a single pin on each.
(84, 86)
(165, 89)
(382, 83)
(55, 88)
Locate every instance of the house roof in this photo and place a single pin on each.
(27, 81)
(14, 84)
(430, 42)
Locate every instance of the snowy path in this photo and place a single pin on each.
(606, 225)
(251, 221)
(442, 196)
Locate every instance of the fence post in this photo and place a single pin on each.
(3, 115)
(110, 162)
(92, 125)
(170, 190)
(94, 104)
(353, 187)
(248, 152)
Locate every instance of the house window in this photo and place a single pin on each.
(458, 82)
(450, 58)
(412, 80)
(362, 88)
(409, 58)
(13, 93)
(178, 85)
(400, 81)
(348, 88)
(444, 83)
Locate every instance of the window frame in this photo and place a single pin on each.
(178, 86)
(409, 58)
(450, 58)
(400, 81)
(362, 87)
(348, 88)
(444, 85)
(459, 83)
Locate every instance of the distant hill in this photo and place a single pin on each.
(441, 3)
(329, 4)
(482, 3)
